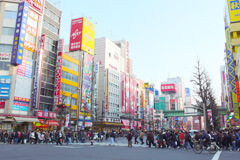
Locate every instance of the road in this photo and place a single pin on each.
(102, 151)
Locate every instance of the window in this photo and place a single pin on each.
(68, 88)
(10, 15)
(69, 76)
(28, 54)
(50, 27)
(47, 92)
(32, 22)
(30, 38)
(6, 48)
(50, 45)
(70, 65)
(4, 66)
(52, 15)
(8, 31)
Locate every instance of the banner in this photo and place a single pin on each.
(123, 93)
(107, 105)
(57, 87)
(232, 73)
(135, 97)
(238, 91)
(87, 82)
(127, 94)
(5, 85)
(20, 32)
(37, 80)
(131, 96)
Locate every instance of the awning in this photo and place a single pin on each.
(8, 120)
(113, 124)
(51, 122)
(22, 119)
(1, 118)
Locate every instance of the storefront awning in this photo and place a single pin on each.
(22, 119)
(1, 118)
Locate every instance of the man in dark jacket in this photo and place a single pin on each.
(16, 137)
(205, 137)
(151, 139)
(187, 141)
(129, 137)
(136, 136)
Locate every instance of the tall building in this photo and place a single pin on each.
(108, 55)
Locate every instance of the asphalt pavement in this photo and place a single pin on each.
(103, 151)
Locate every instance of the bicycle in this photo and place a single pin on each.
(199, 147)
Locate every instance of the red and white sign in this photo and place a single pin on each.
(57, 86)
(2, 104)
(37, 4)
(29, 46)
(31, 30)
(168, 88)
(40, 114)
(238, 91)
(33, 15)
(52, 115)
(76, 34)
(5, 57)
(209, 113)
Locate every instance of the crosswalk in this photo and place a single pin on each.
(108, 144)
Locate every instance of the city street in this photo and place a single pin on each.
(102, 151)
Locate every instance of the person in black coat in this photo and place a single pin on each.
(129, 137)
(16, 137)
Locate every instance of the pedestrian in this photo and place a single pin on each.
(129, 137)
(237, 138)
(107, 135)
(142, 137)
(70, 135)
(187, 141)
(16, 137)
(112, 135)
(136, 136)
(91, 138)
(59, 137)
(151, 139)
(5, 136)
(182, 138)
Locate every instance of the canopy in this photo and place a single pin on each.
(22, 119)
(50, 122)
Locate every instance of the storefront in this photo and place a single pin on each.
(134, 125)
(46, 125)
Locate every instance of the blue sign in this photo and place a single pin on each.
(156, 92)
(45, 110)
(20, 106)
(187, 91)
(82, 127)
(5, 85)
(20, 32)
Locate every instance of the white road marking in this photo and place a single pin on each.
(217, 155)
(64, 147)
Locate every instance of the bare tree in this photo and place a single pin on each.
(205, 94)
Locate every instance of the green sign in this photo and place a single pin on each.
(162, 103)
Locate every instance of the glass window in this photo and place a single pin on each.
(7, 48)
(30, 38)
(4, 66)
(32, 22)
(28, 54)
(8, 31)
(10, 15)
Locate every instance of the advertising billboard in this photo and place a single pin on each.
(187, 91)
(36, 4)
(5, 85)
(146, 85)
(107, 105)
(37, 80)
(20, 106)
(135, 96)
(234, 10)
(26, 68)
(127, 94)
(168, 88)
(58, 75)
(5, 57)
(82, 35)
(87, 82)
(123, 93)
(20, 32)
(131, 96)
(232, 72)
(238, 91)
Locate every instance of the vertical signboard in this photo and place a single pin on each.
(37, 80)
(20, 32)
(135, 96)
(238, 91)
(107, 105)
(5, 85)
(131, 96)
(234, 10)
(87, 82)
(82, 35)
(127, 94)
(57, 86)
(232, 73)
(123, 93)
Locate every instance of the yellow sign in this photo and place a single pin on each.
(88, 36)
(234, 10)
(146, 85)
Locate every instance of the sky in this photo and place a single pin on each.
(166, 38)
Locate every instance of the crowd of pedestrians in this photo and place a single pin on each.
(226, 140)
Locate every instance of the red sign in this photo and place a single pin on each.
(52, 115)
(58, 75)
(168, 88)
(238, 91)
(40, 114)
(29, 46)
(21, 99)
(76, 34)
(31, 30)
(33, 15)
(2, 104)
(37, 4)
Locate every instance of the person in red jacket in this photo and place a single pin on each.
(182, 137)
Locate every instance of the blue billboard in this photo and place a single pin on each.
(5, 85)
(187, 91)
(20, 32)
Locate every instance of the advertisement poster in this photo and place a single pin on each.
(135, 96)
(87, 82)
(21, 106)
(123, 93)
(131, 96)
(127, 94)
